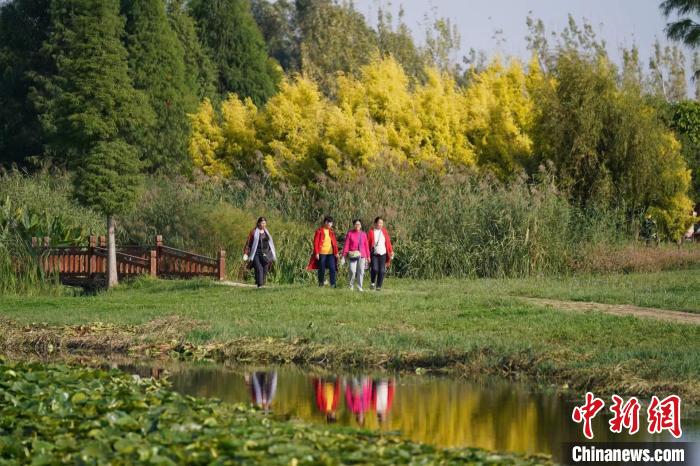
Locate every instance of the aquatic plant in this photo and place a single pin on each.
(65, 415)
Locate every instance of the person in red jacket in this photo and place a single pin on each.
(382, 397)
(327, 393)
(382, 253)
(325, 254)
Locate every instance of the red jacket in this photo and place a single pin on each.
(387, 239)
(321, 401)
(318, 242)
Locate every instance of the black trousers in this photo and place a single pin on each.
(260, 267)
(378, 269)
(326, 261)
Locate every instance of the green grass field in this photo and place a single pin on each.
(477, 326)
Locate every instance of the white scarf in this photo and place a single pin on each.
(256, 240)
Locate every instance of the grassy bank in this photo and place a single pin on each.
(674, 290)
(470, 327)
(98, 417)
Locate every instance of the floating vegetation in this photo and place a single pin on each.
(59, 414)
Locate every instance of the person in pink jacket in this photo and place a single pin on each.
(356, 252)
(358, 397)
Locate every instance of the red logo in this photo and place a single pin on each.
(625, 415)
(587, 412)
(662, 415)
(665, 415)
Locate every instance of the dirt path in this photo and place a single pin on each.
(618, 309)
(235, 284)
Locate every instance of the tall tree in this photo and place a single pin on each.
(335, 38)
(24, 26)
(696, 77)
(237, 47)
(157, 67)
(667, 73)
(442, 40)
(200, 73)
(632, 67)
(90, 109)
(608, 145)
(279, 26)
(686, 28)
(398, 42)
(685, 120)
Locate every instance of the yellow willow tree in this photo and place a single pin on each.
(670, 205)
(382, 95)
(206, 142)
(238, 125)
(500, 115)
(424, 126)
(291, 130)
(441, 135)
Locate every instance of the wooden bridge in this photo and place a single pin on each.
(87, 265)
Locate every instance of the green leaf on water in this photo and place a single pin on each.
(125, 446)
(78, 398)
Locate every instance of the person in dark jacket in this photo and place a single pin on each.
(259, 251)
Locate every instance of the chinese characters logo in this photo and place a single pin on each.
(662, 415)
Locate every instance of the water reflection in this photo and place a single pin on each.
(327, 393)
(262, 385)
(491, 414)
(358, 397)
(382, 398)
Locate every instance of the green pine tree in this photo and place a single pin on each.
(157, 67)
(237, 47)
(24, 28)
(90, 109)
(200, 73)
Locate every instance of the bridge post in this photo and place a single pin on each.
(159, 253)
(154, 263)
(222, 265)
(92, 266)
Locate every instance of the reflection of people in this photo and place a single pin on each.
(260, 251)
(263, 386)
(358, 397)
(327, 396)
(356, 250)
(382, 397)
(325, 252)
(382, 253)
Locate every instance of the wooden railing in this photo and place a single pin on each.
(88, 264)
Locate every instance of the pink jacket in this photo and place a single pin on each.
(358, 395)
(356, 241)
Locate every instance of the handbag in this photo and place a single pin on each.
(354, 255)
(376, 243)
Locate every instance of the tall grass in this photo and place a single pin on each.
(451, 225)
(48, 194)
(203, 218)
(19, 269)
(458, 224)
(40, 205)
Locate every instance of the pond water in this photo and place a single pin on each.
(449, 412)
